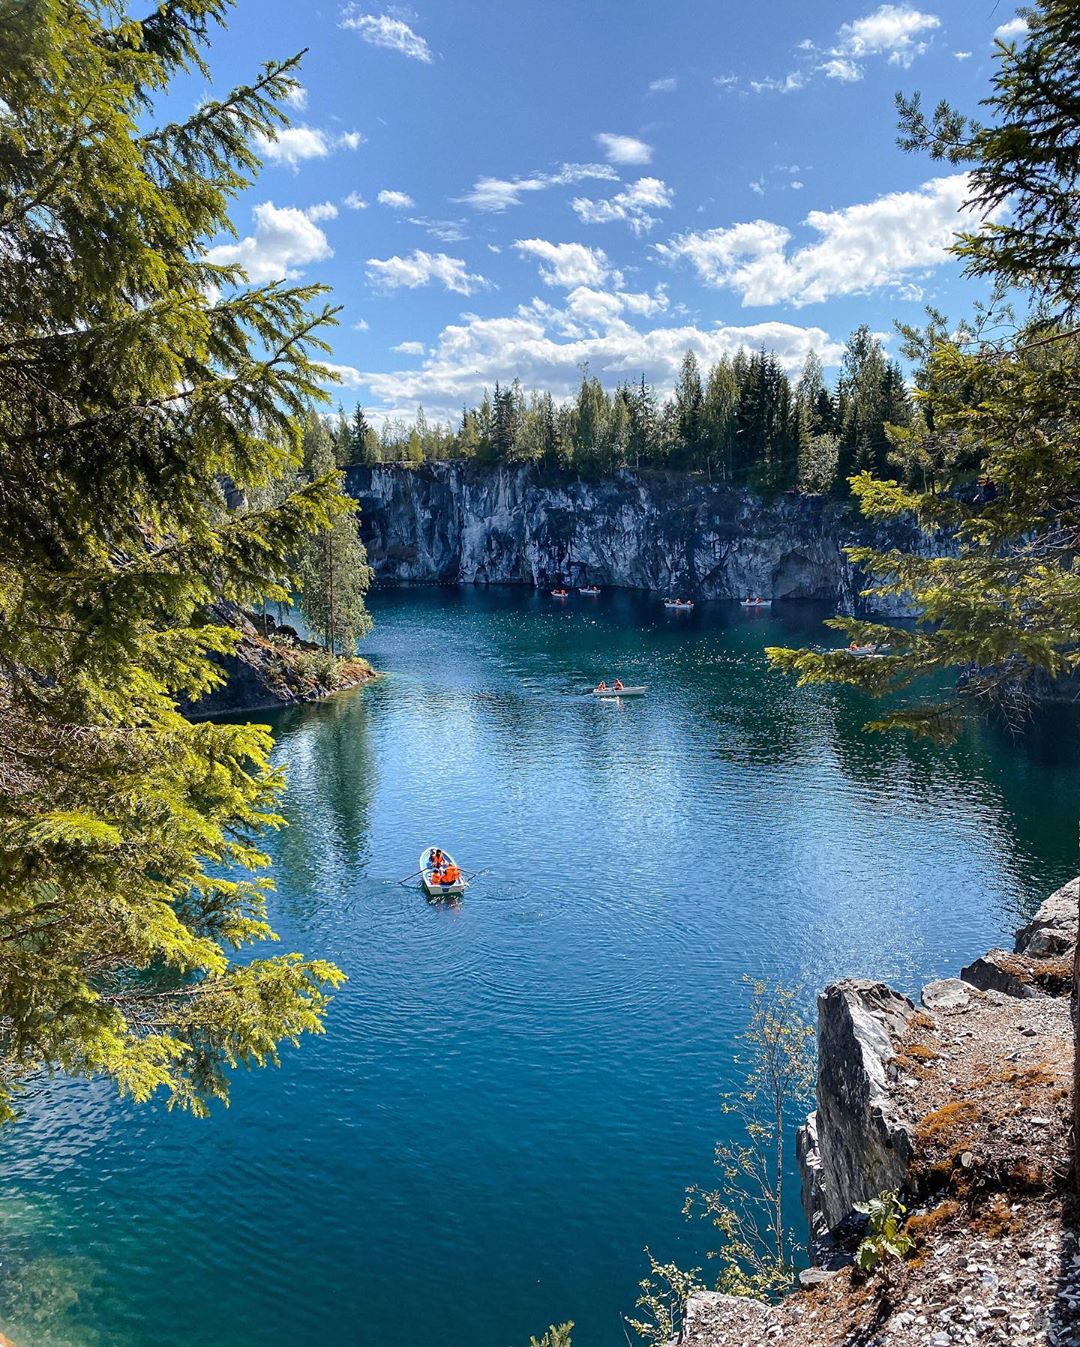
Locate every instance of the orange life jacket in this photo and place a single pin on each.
(451, 875)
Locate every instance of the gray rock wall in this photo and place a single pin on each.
(455, 523)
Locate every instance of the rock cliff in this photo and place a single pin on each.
(962, 1107)
(455, 523)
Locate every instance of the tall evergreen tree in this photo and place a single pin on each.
(136, 377)
(1002, 603)
(688, 411)
(332, 566)
(363, 442)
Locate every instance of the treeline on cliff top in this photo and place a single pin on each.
(744, 422)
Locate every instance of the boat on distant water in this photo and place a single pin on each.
(444, 880)
(866, 651)
(591, 590)
(756, 603)
(639, 690)
(560, 593)
(679, 603)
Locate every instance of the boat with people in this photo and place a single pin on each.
(866, 651)
(440, 875)
(620, 689)
(679, 603)
(756, 602)
(591, 590)
(560, 593)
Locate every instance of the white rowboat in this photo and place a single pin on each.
(589, 589)
(674, 603)
(638, 691)
(756, 603)
(431, 885)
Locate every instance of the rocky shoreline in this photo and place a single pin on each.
(273, 667)
(963, 1106)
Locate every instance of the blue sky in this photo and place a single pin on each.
(514, 189)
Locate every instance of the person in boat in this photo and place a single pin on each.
(451, 874)
(602, 687)
(618, 685)
(438, 865)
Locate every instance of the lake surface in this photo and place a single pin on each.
(512, 1095)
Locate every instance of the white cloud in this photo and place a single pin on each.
(635, 205)
(568, 264)
(361, 325)
(758, 187)
(395, 200)
(545, 346)
(446, 231)
(788, 85)
(664, 86)
(297, 97)
(347, 375)
(895, 31)
(355, 201)
(293, 144)
(409, 348)
(285, 241)
(623, 149)
(962, 55)
(382, 30)
(421, 268)
(1011, 31)
(498, 194)
(726, 82)
(840, 68)
(860, 248)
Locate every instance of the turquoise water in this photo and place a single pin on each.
(513, 1094)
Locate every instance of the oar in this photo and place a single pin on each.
(415, 874)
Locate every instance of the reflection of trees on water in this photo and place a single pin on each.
(332, 781)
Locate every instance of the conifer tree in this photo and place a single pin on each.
(1001, 604)
(332, 566)
(137, 379)
(362, 440)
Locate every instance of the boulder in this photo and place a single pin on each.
(991, 973)
(857, 1145)
(947, 995)
(1052, 930)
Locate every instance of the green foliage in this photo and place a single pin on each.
(884, 1237)
(1001, 603)
(664, 1293)
(332, 566)
(558, 1335)
(741, 422)
(142, 387)
(747, 1208)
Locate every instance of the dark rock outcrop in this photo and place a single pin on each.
(854, 1146)
(456, 523)
(271, 668)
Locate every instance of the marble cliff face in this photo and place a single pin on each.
(455, 523)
